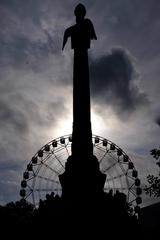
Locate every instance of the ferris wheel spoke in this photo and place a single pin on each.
(109, 183)
(131, 191)
(103, 156)
(115, 177)
(59, 149)
(115, 188)
(132, 187)
(27, 195)
(108, 168)
(59, 161)
(123, 169)
(47, 179)
(43, 178)
(100, 148)
(46, 189)
(67, 151)
(30, 188)
(114, 158)
(98, 145)
(48, 156)
(47, 166)
(66, 147)
(130, 177)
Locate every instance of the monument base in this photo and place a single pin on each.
(82, 179)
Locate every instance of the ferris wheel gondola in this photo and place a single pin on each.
(42, 172)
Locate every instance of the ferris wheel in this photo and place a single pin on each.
(42, 172)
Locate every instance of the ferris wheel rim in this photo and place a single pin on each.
(67, 136)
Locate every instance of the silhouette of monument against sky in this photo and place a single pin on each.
(84, 210)
(82, 176)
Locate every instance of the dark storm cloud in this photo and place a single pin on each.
(13, 118)
(25, 127)
(157, 120)
(113, 82)
(23, 52)
(131, 24)
(28, 33)
(32, 66)
(116, 20)
(20, 113)
(22, 47)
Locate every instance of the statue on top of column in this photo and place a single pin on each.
(82, 32)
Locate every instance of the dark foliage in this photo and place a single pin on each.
(57, 217)
(153, 187)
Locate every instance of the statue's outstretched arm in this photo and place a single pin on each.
(66, 36)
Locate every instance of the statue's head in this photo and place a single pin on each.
(80, 11)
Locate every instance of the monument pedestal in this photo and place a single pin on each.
(82, 179)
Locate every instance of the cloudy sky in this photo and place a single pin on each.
(36, 80)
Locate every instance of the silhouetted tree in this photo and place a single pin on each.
(110, 211)
(153, 189)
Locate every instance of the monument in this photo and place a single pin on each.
(75, 167)
(82, 176)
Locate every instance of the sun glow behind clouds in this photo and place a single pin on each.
(98, 125)
(65, 125)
